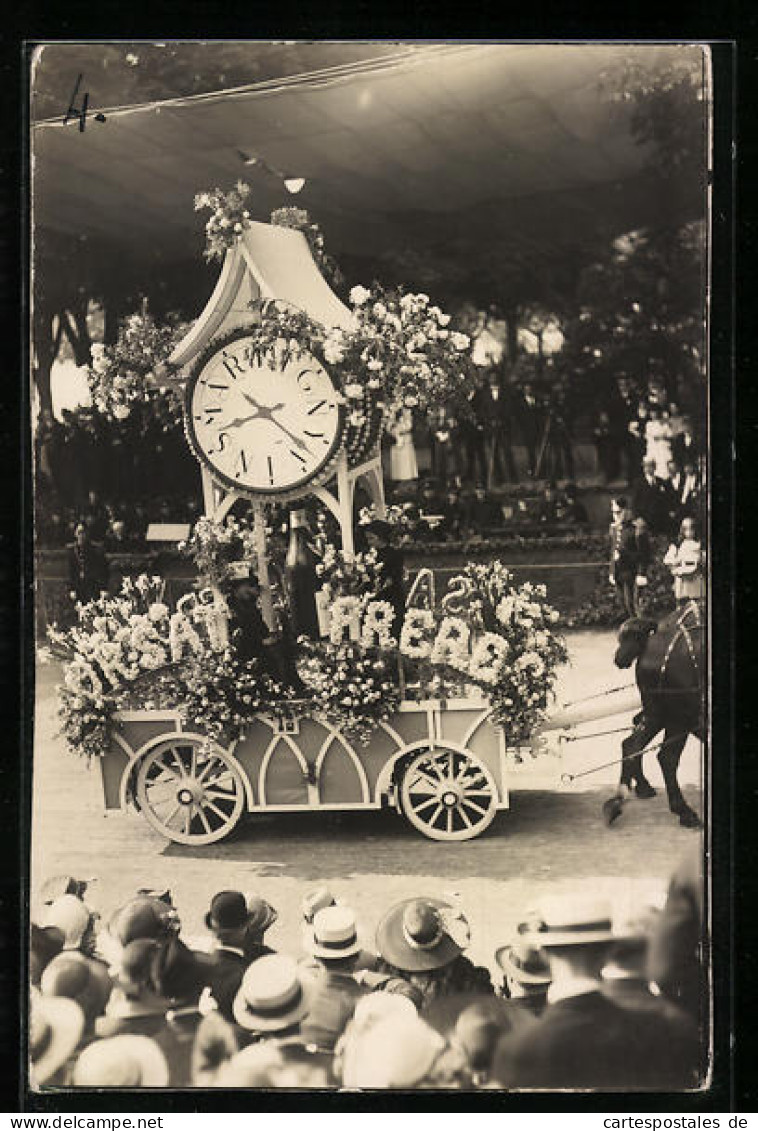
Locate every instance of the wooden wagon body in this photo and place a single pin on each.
(442, 763)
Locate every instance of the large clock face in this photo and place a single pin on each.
(262, 426)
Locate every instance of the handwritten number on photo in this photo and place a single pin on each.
(74, 112)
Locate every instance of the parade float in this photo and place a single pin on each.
(349, 699)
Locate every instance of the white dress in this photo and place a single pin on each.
(658, 440)
(686, 564)
(403, 463)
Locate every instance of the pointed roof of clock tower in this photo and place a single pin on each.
(267, 262)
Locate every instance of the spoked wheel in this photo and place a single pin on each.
(448, 795)
(189, 790)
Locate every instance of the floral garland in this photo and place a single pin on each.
(229, 214)
(220, 694)
(214, 546)
(351, 685)
(130, 372)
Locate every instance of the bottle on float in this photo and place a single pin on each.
(302, 580)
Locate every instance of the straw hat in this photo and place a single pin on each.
(70, 916)
(381, 1006)
(334, 934)
(524, 963)
(272, 995)
(56, 1025)
(72, 975)
(415, 935)
(316, 900)
(571, 921)
(393, 1053)
(126, 1061)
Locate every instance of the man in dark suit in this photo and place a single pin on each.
(583, 1039)
(685, 447)
(649, 499)
(87, 566)
(238, 931)
(493, 409)
(530, 423)
(622, 411)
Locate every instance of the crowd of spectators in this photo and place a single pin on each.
(644, 438)
(580, 998)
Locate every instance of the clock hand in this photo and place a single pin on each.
(267, 414)
(295, 439)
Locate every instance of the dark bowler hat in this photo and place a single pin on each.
(228, 911)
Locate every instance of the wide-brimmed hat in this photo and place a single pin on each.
(56, 886)
(316, 900)
(414, 935)
(44, 944)
(334, 934)
(260, 914)
(571, 921)
(125, 1061)
(146, 917)
(524, 963)
(70, 916)
(137, 964)
(72, 975)
(56, 1025)
(393, 1053)
(272, 995)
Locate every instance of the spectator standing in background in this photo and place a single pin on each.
(530, 423)
(649, 499)
(623, 565)
(685, 560)
(637, 431)
(690, 496)
(684, 447)
(87, 567)
(622, 412)
(403, 463)
(658, 440)
(472, 434)
(493, 410)
(442, 429)
(607, 447)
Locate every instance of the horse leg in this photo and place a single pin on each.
(631, 770)
(643, 733)
(668, 757)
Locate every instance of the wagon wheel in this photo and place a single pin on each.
(189, 790)
(448, 794)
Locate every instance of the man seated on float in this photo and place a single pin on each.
(252, 638)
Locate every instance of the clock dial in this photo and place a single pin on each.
(262, 426)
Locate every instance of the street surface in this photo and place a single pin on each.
(549, 840)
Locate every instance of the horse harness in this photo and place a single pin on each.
(684, 632)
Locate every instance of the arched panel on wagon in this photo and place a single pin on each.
(285, 778)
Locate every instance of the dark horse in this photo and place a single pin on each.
(669, 676)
